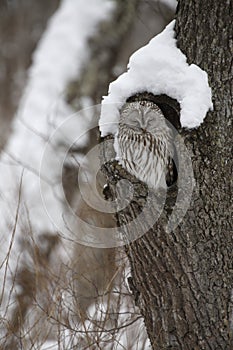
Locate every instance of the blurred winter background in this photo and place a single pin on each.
(57, 58)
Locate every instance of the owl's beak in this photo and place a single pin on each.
(143, 130)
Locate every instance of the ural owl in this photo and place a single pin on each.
(145, 143)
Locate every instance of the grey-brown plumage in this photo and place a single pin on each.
(145, 143)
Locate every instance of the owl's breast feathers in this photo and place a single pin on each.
(146, 154)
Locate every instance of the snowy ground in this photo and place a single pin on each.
(59, 57)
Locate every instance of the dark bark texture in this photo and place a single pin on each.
(183, 280)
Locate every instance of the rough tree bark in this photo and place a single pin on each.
(182, 281)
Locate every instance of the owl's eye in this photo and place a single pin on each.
(154, 120)
(134, 123)
(150, 116)
(133, 120)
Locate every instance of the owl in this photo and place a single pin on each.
(144, 142)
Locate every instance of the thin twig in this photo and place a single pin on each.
(6, 260)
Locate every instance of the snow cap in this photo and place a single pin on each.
(159, 68)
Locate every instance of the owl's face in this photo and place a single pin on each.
(142, 118)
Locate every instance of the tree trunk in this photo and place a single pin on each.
(182, 280)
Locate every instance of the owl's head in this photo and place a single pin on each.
(142, 117)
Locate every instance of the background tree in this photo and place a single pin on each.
(182, 281)
(21, 26)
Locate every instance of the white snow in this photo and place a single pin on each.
(59, 57)
(159, 68)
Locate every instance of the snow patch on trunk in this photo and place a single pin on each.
(159, 68)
